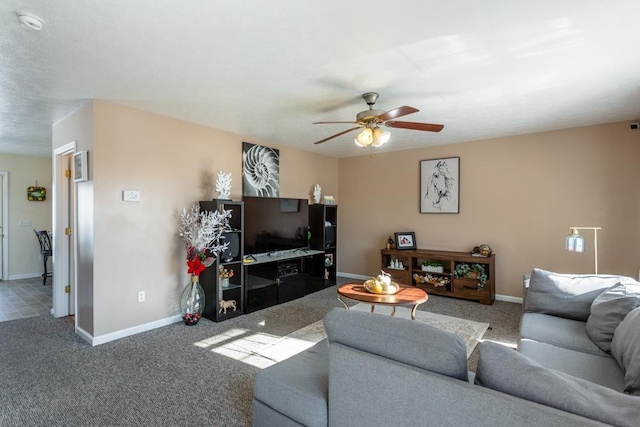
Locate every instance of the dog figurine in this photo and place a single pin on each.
(226, 304)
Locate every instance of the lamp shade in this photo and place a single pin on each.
(364, 138)
(380, 137)
(374, 137)
(574, 242)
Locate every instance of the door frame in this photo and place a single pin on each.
(63, 261)
(5, 226)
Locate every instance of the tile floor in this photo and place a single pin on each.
(24, 298)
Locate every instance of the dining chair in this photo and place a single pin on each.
(45, 251)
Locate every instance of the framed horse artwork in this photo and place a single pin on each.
(440, 185)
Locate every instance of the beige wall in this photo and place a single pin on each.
(173, 164)
(78, 128)
(518, 194)
(24, 250)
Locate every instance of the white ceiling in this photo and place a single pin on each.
(268, 69)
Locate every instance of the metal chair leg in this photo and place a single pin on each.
(44, 276)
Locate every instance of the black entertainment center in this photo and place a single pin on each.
(278, 254)
(274, 278)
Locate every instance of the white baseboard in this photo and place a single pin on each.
(505, 298)
(25, 276)
(84, 335)
(127, 332)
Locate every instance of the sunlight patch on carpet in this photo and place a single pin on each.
(262, 350)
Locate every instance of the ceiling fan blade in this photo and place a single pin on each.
(429, 127)
(398, 112)
(325, 123)
(337, 134)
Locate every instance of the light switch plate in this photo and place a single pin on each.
(131, 195)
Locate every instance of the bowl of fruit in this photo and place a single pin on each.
(381, 284)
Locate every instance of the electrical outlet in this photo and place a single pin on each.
(141, 296)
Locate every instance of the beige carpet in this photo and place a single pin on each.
(470, 331)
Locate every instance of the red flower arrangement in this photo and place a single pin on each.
(202, 232)
(224, 273)
(197, 261)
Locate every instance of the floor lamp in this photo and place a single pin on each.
(575, 242)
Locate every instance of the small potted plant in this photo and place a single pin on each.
(473, 271)
(225, 275)
(432, 266)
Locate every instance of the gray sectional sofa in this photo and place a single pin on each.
(379, 370)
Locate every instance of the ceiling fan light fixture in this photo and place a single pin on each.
(380, 137)
(370, 121)
(364, 138)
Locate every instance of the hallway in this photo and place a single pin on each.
(24, 298)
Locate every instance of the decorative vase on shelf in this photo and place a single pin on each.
(224, 283)
(192, 301)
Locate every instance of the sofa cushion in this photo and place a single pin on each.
(609, 309)
(625, 348)
(558, 331)
(603, 370)
(503, 369)
(298, 386)
(408, 341)
(566, 295)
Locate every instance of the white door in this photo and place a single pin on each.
(69, 218)
(63, 278)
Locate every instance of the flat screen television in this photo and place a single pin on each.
(275, 224)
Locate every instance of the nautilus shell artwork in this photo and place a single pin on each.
(260, 171)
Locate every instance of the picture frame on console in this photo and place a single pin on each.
(405, 240)
(440, 185)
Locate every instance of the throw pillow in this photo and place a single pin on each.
(625, 348)
(408, 341)
(566, 295)
(504, 369)
(609, 309)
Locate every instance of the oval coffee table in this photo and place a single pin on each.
(407, 295)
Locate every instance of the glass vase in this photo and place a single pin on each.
(192, 301)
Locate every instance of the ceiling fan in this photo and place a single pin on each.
(370, 120)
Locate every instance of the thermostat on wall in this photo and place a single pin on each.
(131, 195)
